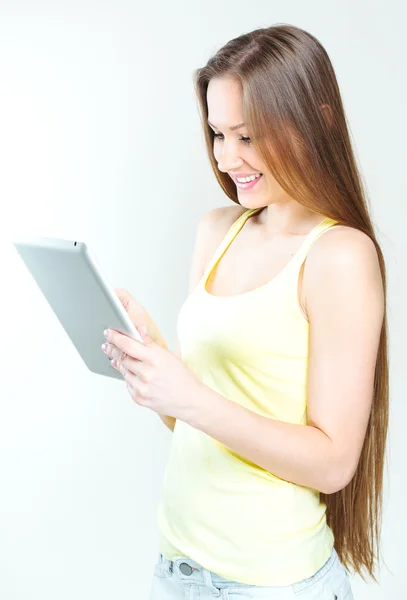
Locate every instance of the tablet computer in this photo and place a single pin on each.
(80, 295)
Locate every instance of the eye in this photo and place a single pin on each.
(247, 140)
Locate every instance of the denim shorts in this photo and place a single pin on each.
(184, 579)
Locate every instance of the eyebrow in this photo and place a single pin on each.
(231, 128)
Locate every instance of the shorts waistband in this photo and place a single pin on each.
(189, 571)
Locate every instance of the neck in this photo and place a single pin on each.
(275, 221)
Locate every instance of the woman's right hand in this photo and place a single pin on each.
(139, 316)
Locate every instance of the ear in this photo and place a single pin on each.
(327, 113)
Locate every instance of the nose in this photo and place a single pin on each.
(228, 159)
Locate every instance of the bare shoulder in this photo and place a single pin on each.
(210, 231)
(215, 223)
(218, 219)
(343, 256)
(342, 245)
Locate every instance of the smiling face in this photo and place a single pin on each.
(232, 147)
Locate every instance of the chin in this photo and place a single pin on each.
(250, 202)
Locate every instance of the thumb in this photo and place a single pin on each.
(132, 307)
(142, 329)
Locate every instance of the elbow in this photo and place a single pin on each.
(342, 477)
(334, 487)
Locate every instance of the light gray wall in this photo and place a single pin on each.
(100, 141)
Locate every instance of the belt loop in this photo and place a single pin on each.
(208, 582)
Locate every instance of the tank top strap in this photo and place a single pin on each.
(293, 265)
(310, 239)
(227, 240)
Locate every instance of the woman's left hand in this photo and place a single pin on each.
(156, 378)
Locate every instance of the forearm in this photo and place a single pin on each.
(301, 454)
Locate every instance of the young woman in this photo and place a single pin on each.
(278, 398)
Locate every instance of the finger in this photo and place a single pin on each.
(131, 391)
(115, 353)
(138, 381)
(133, 394)
(130, 388)
(119, 355)
(129, 345)
(136, 370)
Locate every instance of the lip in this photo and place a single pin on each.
(249, 185)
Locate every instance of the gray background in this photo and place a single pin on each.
(100, 141)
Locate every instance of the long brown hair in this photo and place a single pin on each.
(286, 77)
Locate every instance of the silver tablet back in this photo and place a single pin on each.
(79, 294)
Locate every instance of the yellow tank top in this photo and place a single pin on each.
(229, 515)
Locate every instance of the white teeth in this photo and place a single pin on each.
(246, 179)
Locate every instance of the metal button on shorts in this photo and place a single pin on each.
(185, 568)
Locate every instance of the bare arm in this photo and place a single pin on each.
(345, 304)
(210, 230)
(167, 420)
(196, 273)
